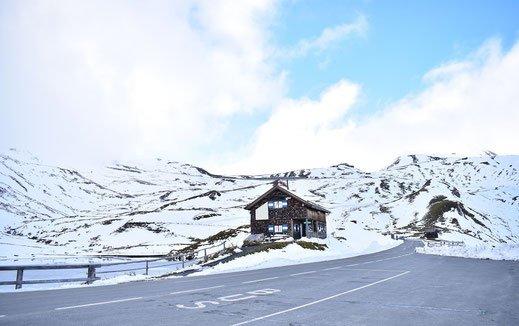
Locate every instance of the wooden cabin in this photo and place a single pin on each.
(280, 212)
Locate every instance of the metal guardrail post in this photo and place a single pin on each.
(19, 278)
(91, 274)
(146, 267)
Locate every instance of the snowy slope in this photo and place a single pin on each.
(159, 206)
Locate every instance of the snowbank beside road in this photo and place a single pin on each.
(495, 252)
(294, 254)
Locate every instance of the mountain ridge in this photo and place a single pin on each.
(168, 205)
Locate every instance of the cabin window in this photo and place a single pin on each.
(276, 204)
(320, 227)
(278, 229)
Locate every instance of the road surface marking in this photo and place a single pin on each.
(199, 289)
(319, 301)
(374, 261)
(264, 291)
(372, 270)
(302, 273)
(2, 316)
(329, 269)
(198, 305)
(236, 297)
(137, 298)
(230, 298)
(98, 303)
(261, 279)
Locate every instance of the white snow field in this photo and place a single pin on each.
(161, 206)
(500, 251)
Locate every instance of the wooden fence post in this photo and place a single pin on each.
(91, 274)
(19, 278)
(205, 254)
(146, 267)
(183, 259)
(224, 246)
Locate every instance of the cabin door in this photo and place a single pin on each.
(296, 232)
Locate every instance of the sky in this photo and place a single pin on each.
(258, 86)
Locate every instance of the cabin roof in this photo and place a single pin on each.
(288, 193)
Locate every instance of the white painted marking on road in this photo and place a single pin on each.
(330, 268)
(198, 305)
(375, 261)
(199, 289)
(1, 316)
(264, 291)
(372, 270)
(319, 301)
(139, 298)
(98, 303)
(302, 273)
(230, 298)
(236, 297)
(260, 280)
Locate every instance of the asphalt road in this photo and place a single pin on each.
(393, 287)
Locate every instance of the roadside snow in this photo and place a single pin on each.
(294, 254)
(495, 252)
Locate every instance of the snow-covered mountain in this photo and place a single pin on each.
(163, 205)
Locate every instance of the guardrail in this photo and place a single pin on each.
(439, 243)
(91, 268)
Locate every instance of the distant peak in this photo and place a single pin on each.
(343, 165)
(409, 159)
(491, 154)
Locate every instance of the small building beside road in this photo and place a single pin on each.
(431, 233)
(280, 212)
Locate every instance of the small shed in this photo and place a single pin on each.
(281, 212)
(431, 233)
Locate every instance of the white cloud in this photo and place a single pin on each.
(116, 79)
(467, 107)
(109, 79)
(301, 133)
(328, 37)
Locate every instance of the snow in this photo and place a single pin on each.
(294, 254)
(154, 207)
(495, 252)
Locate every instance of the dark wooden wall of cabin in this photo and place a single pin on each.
(316, 215)
(295, 210)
